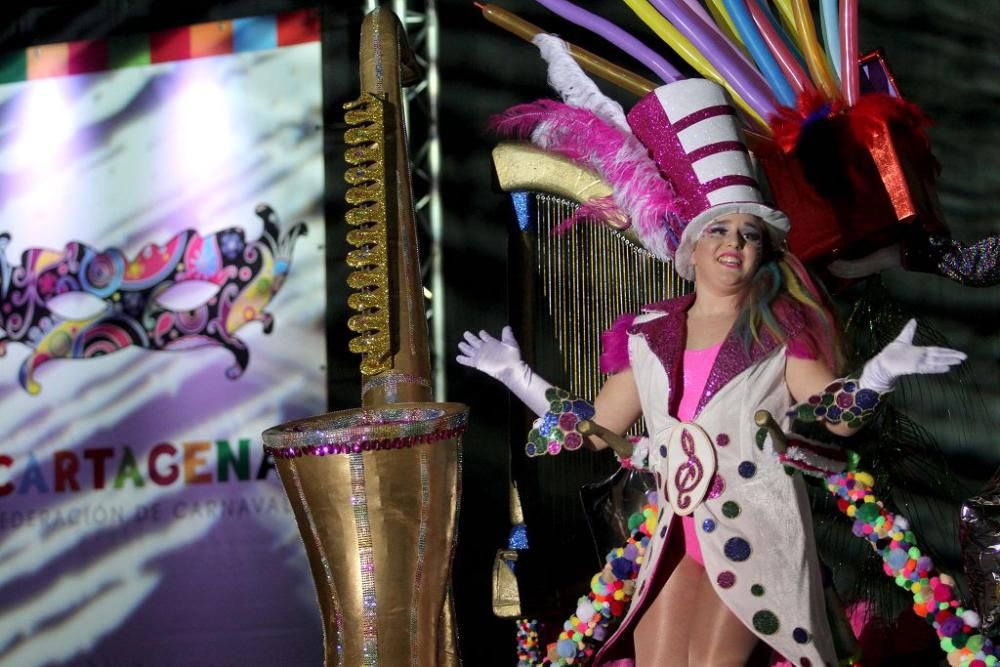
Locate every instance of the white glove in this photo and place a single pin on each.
(902, 357)
(501, 359)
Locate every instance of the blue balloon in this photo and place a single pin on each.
(759, 52)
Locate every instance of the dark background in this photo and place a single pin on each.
(945, 56)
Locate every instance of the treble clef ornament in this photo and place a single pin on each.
(690, 466)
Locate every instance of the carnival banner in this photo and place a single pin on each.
(161, 303)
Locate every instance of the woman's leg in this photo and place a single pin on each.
(687, 625)
(661, 636)
(718, 637)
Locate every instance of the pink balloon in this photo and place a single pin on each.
(850, 78)
(786, 61)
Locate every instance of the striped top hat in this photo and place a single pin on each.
(691, 131)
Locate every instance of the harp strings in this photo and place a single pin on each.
(590, 275)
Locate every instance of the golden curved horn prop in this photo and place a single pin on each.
(392, 335)
(375, 489)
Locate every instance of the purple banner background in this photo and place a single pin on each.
(207, 568)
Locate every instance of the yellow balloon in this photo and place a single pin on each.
(812, 51)
(787, 17)
(686, 50)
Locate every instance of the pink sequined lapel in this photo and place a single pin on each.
(733, 358)
(667, 336)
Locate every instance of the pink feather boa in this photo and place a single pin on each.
(614, 345)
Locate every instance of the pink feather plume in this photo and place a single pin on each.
(640, 193)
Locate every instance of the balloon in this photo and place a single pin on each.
(707, 23)
(790, 43)
(596, 65)
(734, 41)
(828, 21)
(850, 78)
(725, 23)
(786, 61)
(609, 31)
(758, 49)
(788, 20)
(815, 58)
(740, 76)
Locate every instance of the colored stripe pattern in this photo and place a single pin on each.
(425, 500)
(366, 552)
(201, 40)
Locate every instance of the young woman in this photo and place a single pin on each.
(733, 559)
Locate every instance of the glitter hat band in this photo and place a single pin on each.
(692, 134)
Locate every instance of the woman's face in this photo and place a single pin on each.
(728, 252)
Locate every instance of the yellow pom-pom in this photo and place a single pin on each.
(864, 479)
(619, 594)
(851, 510)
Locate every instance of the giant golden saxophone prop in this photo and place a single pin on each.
(375, 489)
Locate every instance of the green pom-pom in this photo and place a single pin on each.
(946, 645)
(635, 521)
(974, 643)
(868, 512)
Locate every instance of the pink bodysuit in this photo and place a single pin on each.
(697, 366)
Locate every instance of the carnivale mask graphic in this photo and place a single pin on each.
(247, 275)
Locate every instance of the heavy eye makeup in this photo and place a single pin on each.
(752, 234)
(749, 232)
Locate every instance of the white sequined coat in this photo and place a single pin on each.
(754, 526)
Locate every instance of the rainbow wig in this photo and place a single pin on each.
(783, 298)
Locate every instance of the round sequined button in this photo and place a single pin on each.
(737, 549)
(726, 579)
(708, 525)
(757, 590)
(722, 439)
(730, 509)
(718, 487)
(867, 399)
(765, 622)
(800, 635)
(747, 469)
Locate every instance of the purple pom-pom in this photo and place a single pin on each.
(621, 568)
(951, 626)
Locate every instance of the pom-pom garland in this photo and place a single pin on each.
(934, 597)
(611, 591)
(528, 651)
